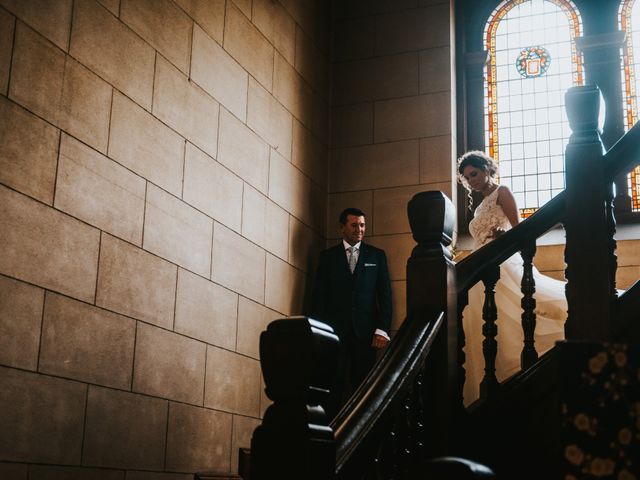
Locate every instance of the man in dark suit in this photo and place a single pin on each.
(352, 293)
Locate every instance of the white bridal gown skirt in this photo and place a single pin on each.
(551, 313)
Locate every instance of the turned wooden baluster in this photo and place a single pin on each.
(489, 383)
(528, 303)
(612, 245)
(463, 301)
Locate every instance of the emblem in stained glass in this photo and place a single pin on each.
(526, 129)
(533, 61)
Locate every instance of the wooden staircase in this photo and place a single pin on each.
(409, 409)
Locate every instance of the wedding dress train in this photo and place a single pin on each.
(551, 307)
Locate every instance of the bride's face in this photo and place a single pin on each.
(477, 178)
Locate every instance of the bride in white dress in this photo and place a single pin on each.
(496, 214)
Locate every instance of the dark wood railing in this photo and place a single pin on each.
(409, 406)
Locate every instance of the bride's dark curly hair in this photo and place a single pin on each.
(477, 159)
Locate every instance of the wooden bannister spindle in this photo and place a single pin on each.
(463, 301)
(612, 244)
(528, 303)
(489, 383)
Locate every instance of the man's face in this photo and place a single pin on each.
(353, 229)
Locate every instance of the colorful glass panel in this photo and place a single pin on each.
(532, 61)
(629, 19)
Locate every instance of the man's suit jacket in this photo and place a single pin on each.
(360, 301)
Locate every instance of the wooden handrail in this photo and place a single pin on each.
(469, 270)
(624, 155)
(391, 376)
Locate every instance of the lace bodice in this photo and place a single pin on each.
(488, 215)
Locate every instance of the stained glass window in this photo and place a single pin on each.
(532, 62)
(629, 19)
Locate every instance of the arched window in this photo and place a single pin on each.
(629, 21)
(532, 61)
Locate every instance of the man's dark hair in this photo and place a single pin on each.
(350, 211)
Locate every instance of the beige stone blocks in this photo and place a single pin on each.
(107, 47)
(37, 73)
(269, 119)
(145, 145)
(352, 125)
(168, 365)
(399, 296)
(212, 188)
(206, 311)
(289, 187)
(20, 319)
(413, 117)
(208, 14)
(253, 319)
(254, 207)
(234, 388)
(390, 208)
(628, 252)
(398, 249)
(311, 63)
(55, 409)
(85, 343)
(164, 25)
(378, 78)
(97, 190)
(85, 105)
(238, 264)
(7, 28)
(285, 287)
(112, 5)
(138, 475)
(136, 283)
(243, 152)
(435, 70)
(405, 31)
(124, 430)
(185, 107)
(309, 154)
(356, 38)
(43, 246)
(294, 93)
(436, 162)
(60, 89)
(48, 472)
(28, 152)
(277, 25)
(243, 428)
(304, 246)
(198, 439)
(177, 232)
(276, 234)
(218, 73)
(14, 471)
(375, 166)
(248, 46)
(51, 19)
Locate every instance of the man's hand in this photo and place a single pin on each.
(379, 341)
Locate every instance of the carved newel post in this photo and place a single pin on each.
(431, 288)
(298, 359)
(588, 252)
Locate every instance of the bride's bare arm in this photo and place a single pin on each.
(507, 202)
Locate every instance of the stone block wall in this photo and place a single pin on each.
(392, 118)
(163, 182)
